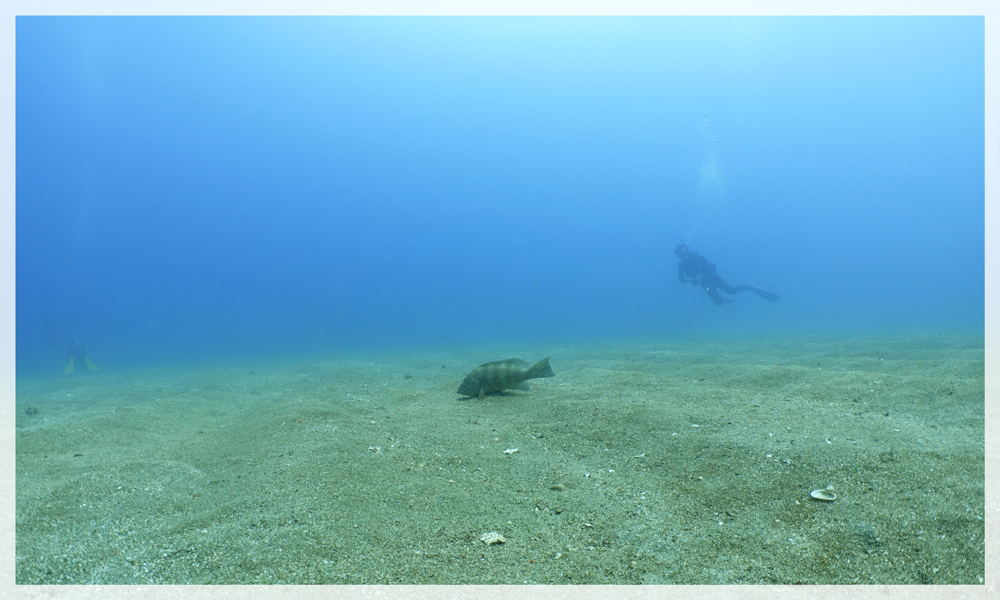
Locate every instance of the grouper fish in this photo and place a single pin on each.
(509, 374)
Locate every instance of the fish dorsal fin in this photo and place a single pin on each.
(517, 362)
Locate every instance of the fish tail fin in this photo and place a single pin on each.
(541, 369)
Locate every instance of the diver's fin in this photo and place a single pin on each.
(90, 366)
(770, 296)
(69, 367)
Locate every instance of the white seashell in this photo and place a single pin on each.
(826, 494)
(492, 538)
(510, 451)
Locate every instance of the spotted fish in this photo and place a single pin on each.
(509, 374)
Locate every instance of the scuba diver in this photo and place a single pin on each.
(696, 269)
(77, 354)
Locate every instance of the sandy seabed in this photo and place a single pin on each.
(675, 462)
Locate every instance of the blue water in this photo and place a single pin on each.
(217, 189)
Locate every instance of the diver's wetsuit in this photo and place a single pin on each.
(696, 269)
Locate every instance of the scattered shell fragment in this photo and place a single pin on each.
(558, 487)
(510, 451)
(492, 538)
(826, 494)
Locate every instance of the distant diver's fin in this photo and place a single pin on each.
(70, 366)
(769, 296)
(90, 366)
